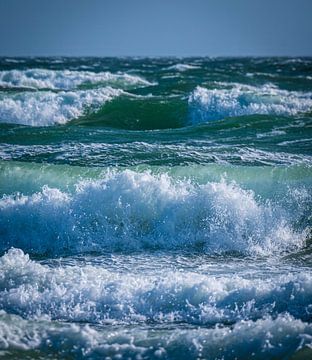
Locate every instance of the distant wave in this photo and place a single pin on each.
(66, 79)
(182, 67)
(240, 100)
(132, 211)
(48, 108)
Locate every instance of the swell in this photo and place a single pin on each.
(131, 211)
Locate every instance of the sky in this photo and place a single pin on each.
(156, 27)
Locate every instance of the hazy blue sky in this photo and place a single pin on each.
(155, 27)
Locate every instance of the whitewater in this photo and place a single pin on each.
(155, 208)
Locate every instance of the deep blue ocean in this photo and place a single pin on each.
(156, 208)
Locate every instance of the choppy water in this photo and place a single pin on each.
(155, 208)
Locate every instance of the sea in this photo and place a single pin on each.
(155, 208)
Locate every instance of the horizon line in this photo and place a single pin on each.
(156, 56)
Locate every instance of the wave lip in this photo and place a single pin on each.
(65, 79)
(134, 211)
(239, 100)
(48, 108)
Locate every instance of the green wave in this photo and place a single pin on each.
(138, 113)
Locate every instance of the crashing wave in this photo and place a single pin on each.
(132, 211)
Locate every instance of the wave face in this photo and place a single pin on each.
(155, 208)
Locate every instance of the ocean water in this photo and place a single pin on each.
(155, 208)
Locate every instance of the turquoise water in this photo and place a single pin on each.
(155, 208)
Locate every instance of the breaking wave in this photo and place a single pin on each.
(240, 100)
(48, 108)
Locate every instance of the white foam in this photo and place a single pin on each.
(48, 108)
(65, 79)
(238, 100)
(129, 210)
